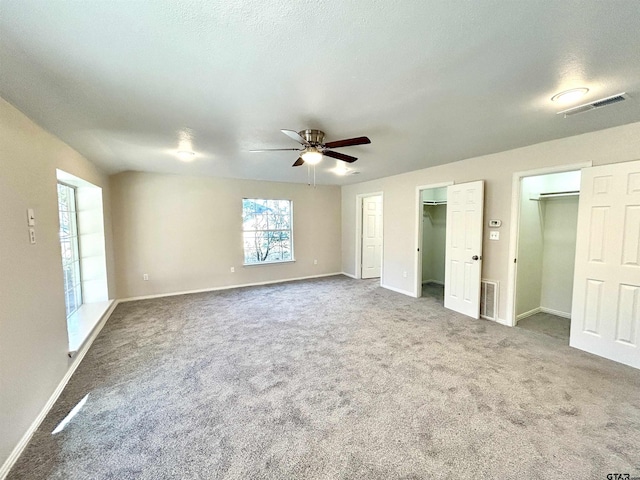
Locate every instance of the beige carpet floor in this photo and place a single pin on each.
(333, 379)
(548, 324)
(434, 291)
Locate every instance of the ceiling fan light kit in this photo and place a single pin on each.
(311, 155)
(314, 147)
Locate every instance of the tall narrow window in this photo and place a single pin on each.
(267, 230)
(69, 244)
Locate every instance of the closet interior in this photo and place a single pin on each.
(546, 252)
(434, 220)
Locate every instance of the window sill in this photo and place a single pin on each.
(278, 262)
(83, 321)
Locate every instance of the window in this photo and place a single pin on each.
(84, 264)
(267, 231)
(69, 245)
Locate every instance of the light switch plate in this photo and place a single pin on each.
(31, 217)
(495, 223)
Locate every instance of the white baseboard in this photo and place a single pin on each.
(349, 275)
(399, 290)
(79, 355)
(528, 314)
(227, 287)
(557, 313)
(542, 310)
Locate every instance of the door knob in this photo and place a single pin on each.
(475, 257)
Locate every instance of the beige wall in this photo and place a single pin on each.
(400, 234)
(558, 261)
(186, 232)
(33, 335)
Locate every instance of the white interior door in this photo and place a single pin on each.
(371, 236)
(605, 316)
(463, 255)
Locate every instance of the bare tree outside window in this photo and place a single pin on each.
(267, 231)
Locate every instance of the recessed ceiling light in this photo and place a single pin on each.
(569, 96)
(341, 168)
(186, 155)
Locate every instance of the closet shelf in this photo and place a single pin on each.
(424, 202)
(545, 196)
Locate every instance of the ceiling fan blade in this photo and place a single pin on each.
(298, 162)
(295, 136)
(349, 142)
(339, 156)
(276, 150)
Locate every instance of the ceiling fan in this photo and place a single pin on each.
(313, 147)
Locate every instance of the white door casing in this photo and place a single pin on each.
(605, 316)
(371, 236)
(465, 205)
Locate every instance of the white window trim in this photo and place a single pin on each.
(274, 262)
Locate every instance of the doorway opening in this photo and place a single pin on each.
(370, 236)
(545, 255)
(433, 202)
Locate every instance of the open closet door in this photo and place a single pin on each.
(463, 254)
(605, 317)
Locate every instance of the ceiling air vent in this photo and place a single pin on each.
(603, 102)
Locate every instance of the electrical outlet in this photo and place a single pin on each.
(32, 236)
(494, 235)
(315, 262)
(145, 276)
(233, 269)
(404, 274)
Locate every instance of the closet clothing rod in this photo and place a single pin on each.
(544, 196)
(425, 202)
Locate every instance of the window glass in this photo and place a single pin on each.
(267, 230)
(69, 247)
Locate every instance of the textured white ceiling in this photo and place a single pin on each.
(429, 82)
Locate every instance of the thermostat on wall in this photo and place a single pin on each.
(495, 223)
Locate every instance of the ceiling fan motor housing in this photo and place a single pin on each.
(314, 137)
(314, 147)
